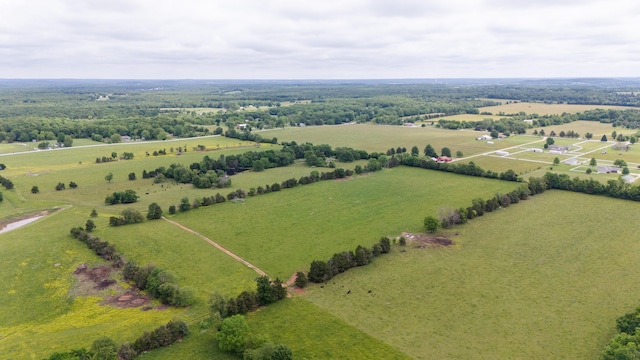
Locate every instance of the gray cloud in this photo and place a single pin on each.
(329, 39)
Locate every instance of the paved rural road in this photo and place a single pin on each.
(236, 257)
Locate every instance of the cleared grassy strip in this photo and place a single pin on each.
(196, 263)
(546, 109)
(544, 279)
(37, 315)
(582, 127)
(501, 164)
(283, 232)
(380, 137)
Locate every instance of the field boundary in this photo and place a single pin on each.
(219, 247)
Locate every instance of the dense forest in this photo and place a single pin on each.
(41, 110)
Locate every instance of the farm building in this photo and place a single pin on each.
(241, 126)
(572, 161)
(125, 138)
(502, 153)
(484, 137)
(606, 169)
(443, 159)
(558, 148)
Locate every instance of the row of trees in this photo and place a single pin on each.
(469, 168)
(127, 216)
(321, 271)
(101, 247)
(448, 217)
(613, 188)
(159, 284)
(267, 292)
(122, 197)
(104, 348)
(8, 184)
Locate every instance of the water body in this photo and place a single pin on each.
(19, 223)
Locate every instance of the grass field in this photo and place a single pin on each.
(501, 164)
(520, 283)
(582, 127)
(380, 138)
(546, 109)
(301, 224)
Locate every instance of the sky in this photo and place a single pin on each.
(327, 39)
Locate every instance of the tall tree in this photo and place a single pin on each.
(430, 151)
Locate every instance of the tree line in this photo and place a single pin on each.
(105, 348)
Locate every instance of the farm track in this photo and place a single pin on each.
(220, 247)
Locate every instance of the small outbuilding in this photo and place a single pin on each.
(606, 169)
(484, 137)
(443, 159)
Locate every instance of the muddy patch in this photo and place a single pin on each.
(98, 281)
(22, 220)
(422, 241)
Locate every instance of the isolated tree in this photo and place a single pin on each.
(550, 141)
(620, 162)
(172, 209)
(459, 154)
(546, 146)
(132, 176)
(184, 204)
(233, 334)
(155, 212)
(556, 161)
(633, 140)
(621, 138)
(301, 280)
(589, 171)
(588, 136)
(552, 133)
(73, 185)
(431, 224)
(445, 152)
(109, 177)
(35, 189)
(603, 138)
(494, 134)
(94, 213)
(415, 151)
(535, 132)
(625, 171)
(60, 186)
(614, 134)
(430, 151)
(90, 225)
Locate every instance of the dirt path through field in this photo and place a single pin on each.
(236, 257)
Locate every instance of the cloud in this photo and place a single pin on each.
(329, 39)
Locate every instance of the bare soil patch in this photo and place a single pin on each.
(94, 281)
(425, 240)
(15, 219)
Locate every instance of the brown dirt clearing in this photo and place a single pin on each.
(423, 240)
(97, 281)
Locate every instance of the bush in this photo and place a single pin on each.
(301, 280)
(233, 334)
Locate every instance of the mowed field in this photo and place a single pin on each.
(382, 137)
(313, 222)
(543, 279)
(545, 109)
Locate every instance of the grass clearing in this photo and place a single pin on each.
(501, 164)
(300, 224)
(381, 137)
(520, 283)
(546, 109)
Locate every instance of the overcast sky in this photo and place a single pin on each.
(326, 39)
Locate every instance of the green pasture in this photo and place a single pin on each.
(382, 137)
(39, 315)
(466, 117)
(546, 109)
(589, 146)
(501, 164)
(582, 127)
(283, 232)
(542, 157)
(544, 279)
(196, 263)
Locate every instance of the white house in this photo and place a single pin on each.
(484, 137)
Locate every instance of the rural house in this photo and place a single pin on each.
(443, 159)
(484, 137)
(606, 169)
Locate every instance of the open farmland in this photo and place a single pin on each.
(300, 224)
(381, 138)
(526, 282)
(545, 109)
